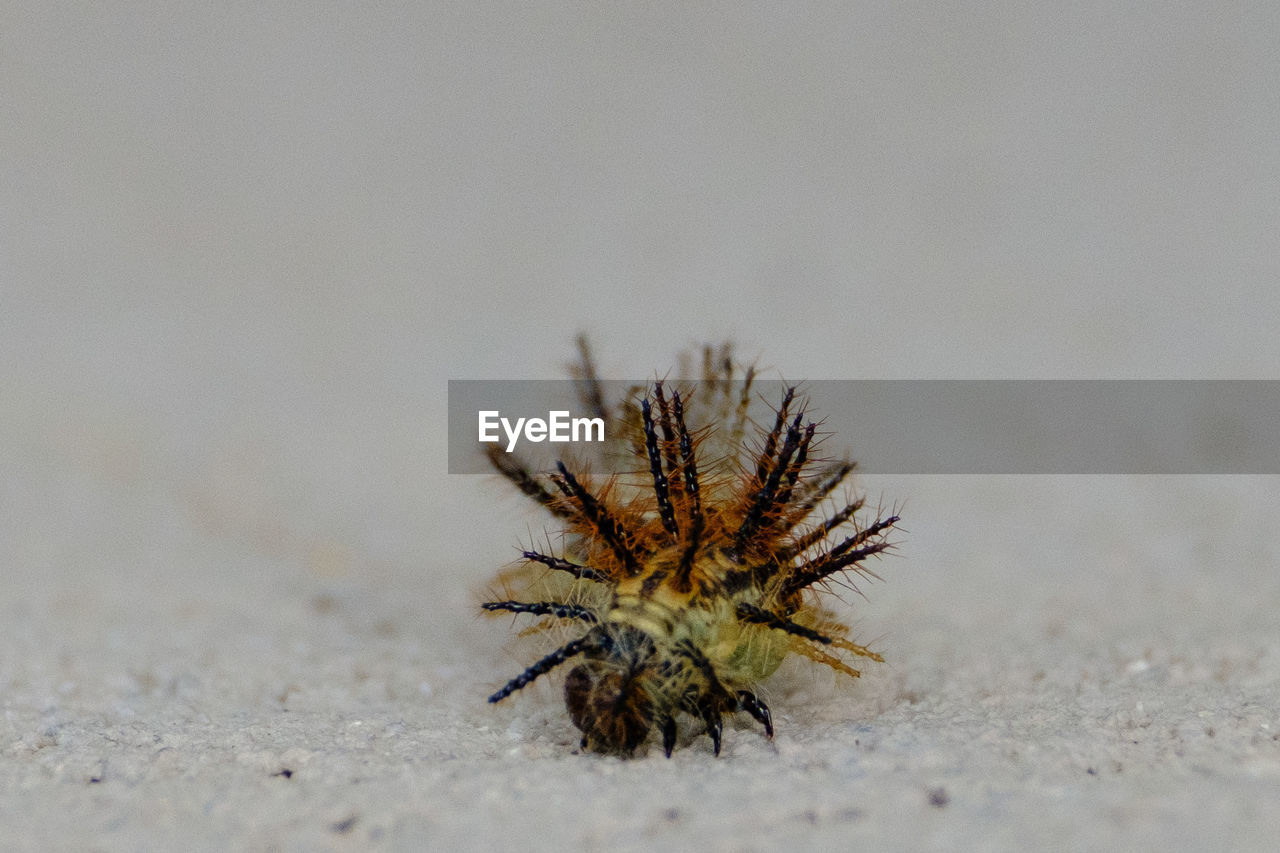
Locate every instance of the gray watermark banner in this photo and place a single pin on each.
(903, 426)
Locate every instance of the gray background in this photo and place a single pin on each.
(244, 248)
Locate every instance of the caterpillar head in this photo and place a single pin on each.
(609, 694)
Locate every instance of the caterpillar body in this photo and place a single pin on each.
(688, 583)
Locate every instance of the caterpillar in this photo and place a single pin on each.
(686, 584)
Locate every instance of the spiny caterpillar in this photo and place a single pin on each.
(689, 582)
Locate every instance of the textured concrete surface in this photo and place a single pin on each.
(242, 252)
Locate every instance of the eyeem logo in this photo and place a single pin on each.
(558, 427)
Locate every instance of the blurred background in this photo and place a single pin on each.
(244, 247)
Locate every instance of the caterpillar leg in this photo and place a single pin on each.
(668, 735)
(710, 714)
(749, 702)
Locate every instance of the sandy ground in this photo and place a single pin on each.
(243, 252)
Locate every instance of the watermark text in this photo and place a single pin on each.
(559, 426)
